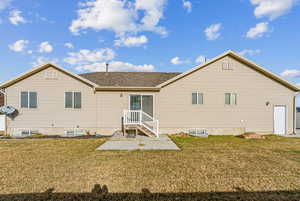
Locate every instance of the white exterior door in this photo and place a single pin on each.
(2, 122)
(280, 120)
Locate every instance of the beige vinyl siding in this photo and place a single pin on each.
(51, 111)
(100, 112)
(110, 107)
(176, 113)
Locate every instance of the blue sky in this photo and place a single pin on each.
(148, 35)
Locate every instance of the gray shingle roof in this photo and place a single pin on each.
(128, 79)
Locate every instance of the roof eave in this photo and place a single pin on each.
(127, 88)
(266, 72)
(191, 70)
(40, 68)
(240, 58)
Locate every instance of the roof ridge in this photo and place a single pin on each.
(130, 72)
(129, 79)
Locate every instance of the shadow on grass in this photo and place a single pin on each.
(102, 194)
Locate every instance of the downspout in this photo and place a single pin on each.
(295, 113)
(96, 115)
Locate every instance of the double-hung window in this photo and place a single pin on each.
(28, 99)
(197, 98)
(230, 98)
(73, 100)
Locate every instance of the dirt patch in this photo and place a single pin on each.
(252, 136)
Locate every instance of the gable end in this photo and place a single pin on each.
(241, 59)
(44, 67)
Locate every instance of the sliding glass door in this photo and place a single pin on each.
(142, 102)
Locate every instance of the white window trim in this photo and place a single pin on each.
(73, 100)
(195, 92)
(28, 96)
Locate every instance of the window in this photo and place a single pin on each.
(25, 132)
(226, 65)
(142, 102)
(51, 75)
(28, 99)
(135, 102)
(73, 100)
(230, 98)
(77, 99)
(197, 98)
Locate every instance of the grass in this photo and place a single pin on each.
(215, 164)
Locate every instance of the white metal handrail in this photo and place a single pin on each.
(139, 117)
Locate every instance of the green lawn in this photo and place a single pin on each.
(215, 164)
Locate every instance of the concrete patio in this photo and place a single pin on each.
(139, 143)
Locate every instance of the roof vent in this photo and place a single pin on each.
(107, 65)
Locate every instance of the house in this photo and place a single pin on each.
(228, 95)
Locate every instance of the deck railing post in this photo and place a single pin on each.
(138, 117)
(140, 114)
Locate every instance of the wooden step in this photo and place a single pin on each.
(140, 128)
(146, 131)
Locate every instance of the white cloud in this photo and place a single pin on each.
(105, 14)
(95, 60)
(132, 41)
(122, 17)
(84, 56)
(187, 5)
(272, 8)
(69, 45)
(212, 32)
(43, 19)
(249, 52)
(115, 66)
(15, 17)
(177, 61)
(19, 46)
(43, 60)
(291, 73)
(258, 31)
(200, 59)
(4, 4)
(153, 10)
(45, 47)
